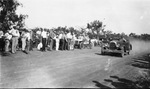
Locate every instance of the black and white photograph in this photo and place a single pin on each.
(75, 44)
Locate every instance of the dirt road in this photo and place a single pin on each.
(63, 69)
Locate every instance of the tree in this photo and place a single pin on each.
(8, 15)
(145, 36)
(96, 26)
(132, 34)
(61, 29)
(108, 32)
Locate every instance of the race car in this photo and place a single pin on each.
(122, 47)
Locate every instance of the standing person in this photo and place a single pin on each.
(1, 41)
(57, 42)
(61, 37)
(54, 41)
(7, 41)
(65, 41)
(52, 35)
(90, 43)
(72, 42)
(14, 34)
(23, 40)
(48, 40)
(38, 38)
(28, 38)
(17, 39)
(31, 40)
(69, 37)
(44, 36)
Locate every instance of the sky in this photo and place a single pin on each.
(119, 15)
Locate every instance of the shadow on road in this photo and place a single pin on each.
(142, 62)
(109, 54)
(101, 85)
(118, 83)
(5, 53)
(98, 53)
(121, 82)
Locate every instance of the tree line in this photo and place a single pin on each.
(145, 36)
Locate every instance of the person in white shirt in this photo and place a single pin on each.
(72, 42)
(51, 38)
(23, 39)
(60, 35)
(38, 32)
(31, 40)
(57, 42)
(1, 34)
(7, 41)
(44, 37)
(61, 43)
(28, 37)
(17, 38)
(15, 35)
(69, 37)
(38, 38)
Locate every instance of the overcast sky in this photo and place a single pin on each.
(120, 15)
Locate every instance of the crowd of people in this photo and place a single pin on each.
(10, 40)
(44, 40)
(54, 41)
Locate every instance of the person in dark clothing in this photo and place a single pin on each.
(31, 45)
(48, 41)
(2, 42)
(62, 44)
(61, 37)
(54, 44)
(44, 44)
(65, 42)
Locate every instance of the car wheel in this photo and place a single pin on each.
(122, 54)
(128, 53)
(103, 53)
(90, 46)
(130, 47)
(80, 46)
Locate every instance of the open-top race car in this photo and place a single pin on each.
(122, 47)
